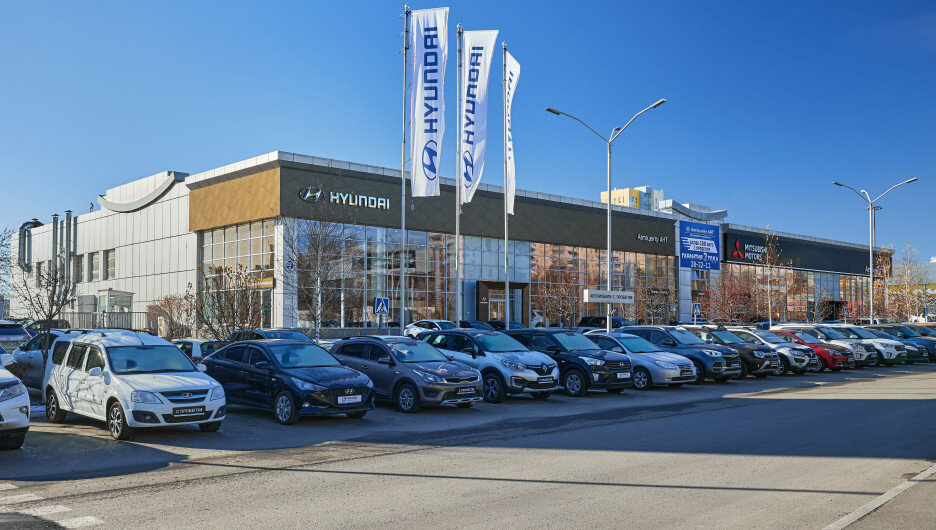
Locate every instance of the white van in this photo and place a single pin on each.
(131, 380)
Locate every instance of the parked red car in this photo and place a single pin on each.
(831, 356)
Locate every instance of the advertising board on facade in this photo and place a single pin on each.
(699, 246)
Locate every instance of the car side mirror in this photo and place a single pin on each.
(262, 365)
(96, 372)
(385, 360)
(201, 367)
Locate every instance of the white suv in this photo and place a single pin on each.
(131, 380)
(14, 411)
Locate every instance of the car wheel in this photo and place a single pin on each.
(744, 371)
(284, 408)
(494, 389)
(642, 379)
(407, 398)
(117, 422)
(699, 374)
(783, 368)
(13, 441)
(575, 383)
(211, 426)
(878, 360)
(822, 365)
(356, 415)
(464, 405)
(542, 396)
(53, 411)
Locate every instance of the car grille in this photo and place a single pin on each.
(169, 418)
(685, 369)
(469, 379)
(718, 365)
(901, 347)
(456, 395)
(186, 396)
(868, 348)
(541, 369)
(331, 395)
(618, 365)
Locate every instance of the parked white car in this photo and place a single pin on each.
(889, 351)
(427, 325)
(28, 362)
(131, 380)
(14, 411)
(198, 348)
(12, 334)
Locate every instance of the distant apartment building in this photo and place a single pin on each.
(640, 198)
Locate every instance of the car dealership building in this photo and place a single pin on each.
(156, 236)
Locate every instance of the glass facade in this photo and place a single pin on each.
(798, 295)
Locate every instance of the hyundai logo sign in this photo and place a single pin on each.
(349, 391)
(468, 162)
(429, 155)
(311, 194)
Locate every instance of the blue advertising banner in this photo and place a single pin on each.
(698, 246)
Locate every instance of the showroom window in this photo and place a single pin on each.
(79, 268)
(95, 266)
(110, 264)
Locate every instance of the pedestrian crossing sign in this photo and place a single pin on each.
(381, 306)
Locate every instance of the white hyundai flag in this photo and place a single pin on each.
(511, 77)
(478, 53)
(427, 98)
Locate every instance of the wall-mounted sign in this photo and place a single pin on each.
(742, 246)
(381, 306)
(313, 195)
(260, 283)
(699, 246)
(608, 297)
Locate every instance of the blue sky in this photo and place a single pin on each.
(768, 101)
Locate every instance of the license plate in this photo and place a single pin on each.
(344, 400)
(545, 380)
(188, 411)
(623, 375)
(466, 391)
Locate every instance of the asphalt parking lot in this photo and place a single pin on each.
(794, 451)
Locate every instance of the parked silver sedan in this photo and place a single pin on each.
(651, 366)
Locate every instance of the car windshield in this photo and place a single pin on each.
(498, 342)
(881, 334)
(727, 337)
(11, 329)
(862, 333)
(684, 336)
(571, 340)
(417, 352)
(287, 334)
(831, 333)
(637, 345)
(769, 338)
(445, 324)
(302, 356)
(924, 331)
(807, 338)
(909, 331)
(148, 360)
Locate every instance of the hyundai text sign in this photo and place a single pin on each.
(608, 297)
(313, 195)
(698, 246)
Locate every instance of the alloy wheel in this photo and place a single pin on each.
(283, 408)
(406, 398)
(573, 383)
(51, 406)
(641, 379)
(491, 388)
(115, 421)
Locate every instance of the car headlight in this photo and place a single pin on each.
(513, 366)
(666, 365)
(758, 354)
(217, 393)
(307, 386)
(429, 378)
(591, 360)
(12, 391)
(712, 353)
(141, 396)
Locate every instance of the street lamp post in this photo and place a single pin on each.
(609, 140)
(871, 209)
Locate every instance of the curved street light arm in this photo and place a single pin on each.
(628, 123)
(892, 187)
(585, 124)
(867, 199)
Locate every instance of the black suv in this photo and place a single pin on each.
(582, 364)
(268, 333)
(600, 322)
(291, 378)
(757, 359)
(711, 360)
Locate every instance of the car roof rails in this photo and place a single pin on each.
(87, 331)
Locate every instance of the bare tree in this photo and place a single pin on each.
(178, 313)
(228, 300)
(562, 299)
(6, 261)
(730, 296)
(906, 285)
(315, 265)
(771, 259)
(883, 262)
(43, 291)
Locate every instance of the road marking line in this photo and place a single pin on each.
(79, 522)
(16, 499)
(4, 487)
(45, 510)
(880, 501)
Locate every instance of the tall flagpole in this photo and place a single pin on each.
(406, 17)
(458, 185)
(506, 237)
